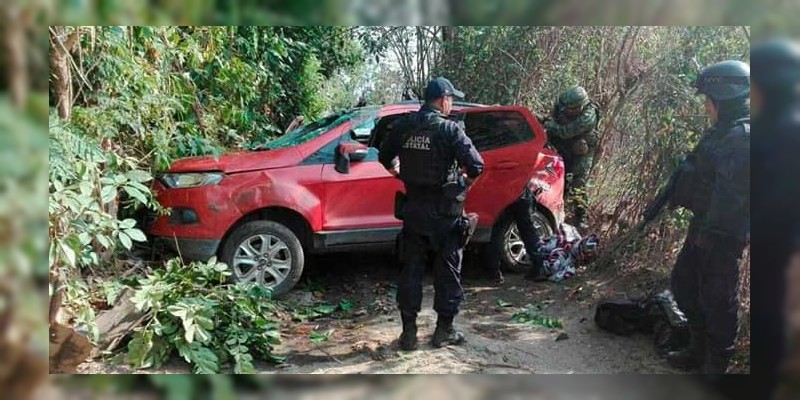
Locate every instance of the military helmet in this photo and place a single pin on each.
(574, 96)
(725, 80)
(776, 63)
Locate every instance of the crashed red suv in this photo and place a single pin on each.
(320, 188)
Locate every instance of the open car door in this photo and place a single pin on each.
(510, 139)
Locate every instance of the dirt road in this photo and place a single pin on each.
(495, 343)
(363, 339)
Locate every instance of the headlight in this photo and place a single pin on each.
(186, 180)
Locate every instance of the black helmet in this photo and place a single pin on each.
(726, 80)
(776, 63)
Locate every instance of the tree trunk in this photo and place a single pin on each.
(61, 45)
(15, 22)
(449, 39)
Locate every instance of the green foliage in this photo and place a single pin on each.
(171, 92)
(209, 322)
(503, 303)
(316, 311)
(345, 305)
(84, 185)
(320, 337)
(531, 314)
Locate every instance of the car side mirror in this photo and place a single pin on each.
(349, 152)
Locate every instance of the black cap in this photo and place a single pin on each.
(441, 87)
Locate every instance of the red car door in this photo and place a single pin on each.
(362, 198)
(509, 138)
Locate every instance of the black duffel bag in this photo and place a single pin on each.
(623, 316)
(657, 314)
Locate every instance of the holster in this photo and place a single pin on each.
(454, 194)
(465, 228)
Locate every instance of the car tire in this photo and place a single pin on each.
(278, 266)
(506, 242)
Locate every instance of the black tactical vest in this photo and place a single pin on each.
(424, 162)
(693, 190)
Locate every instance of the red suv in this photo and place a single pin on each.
(320, 188)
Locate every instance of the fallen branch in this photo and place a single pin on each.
(328, 354)
(501, 365)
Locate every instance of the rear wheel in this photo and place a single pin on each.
(266, 253)
(508, 242)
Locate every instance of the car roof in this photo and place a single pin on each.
(411, 103)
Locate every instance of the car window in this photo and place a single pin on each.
(361, 132)
(317, 128)
(306, 132)
(363, 121)
(383, 127)
(495, 129)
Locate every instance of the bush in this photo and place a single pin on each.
(209, 322)
(84, 187)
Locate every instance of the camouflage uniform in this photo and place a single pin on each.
(575, 139)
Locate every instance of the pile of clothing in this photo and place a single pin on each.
(564, 251)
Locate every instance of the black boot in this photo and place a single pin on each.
(497, 277)
(717, 364)
(445, 334)
(536, 273)
(693, 356)
(408, 339)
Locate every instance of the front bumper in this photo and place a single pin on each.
(193, 249)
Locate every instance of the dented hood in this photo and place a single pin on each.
(240, 161)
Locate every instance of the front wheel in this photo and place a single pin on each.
(266, 253)
(508, 242)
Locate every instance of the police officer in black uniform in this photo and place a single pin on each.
(776, 195)
(437, 164)
(715, 186)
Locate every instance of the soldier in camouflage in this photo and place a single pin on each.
(572, 129)
(715, 186)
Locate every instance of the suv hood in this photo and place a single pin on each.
(242, 161)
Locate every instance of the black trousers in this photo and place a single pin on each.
(704, 282)
(521, 213)
(429, 237)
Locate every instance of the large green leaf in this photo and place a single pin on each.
(136, 194)
(203, 359)
(139, 349)
(125, 240)
(138, 176)
(68, 253)
(108, 193)
(136, 235)
(127, 223)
